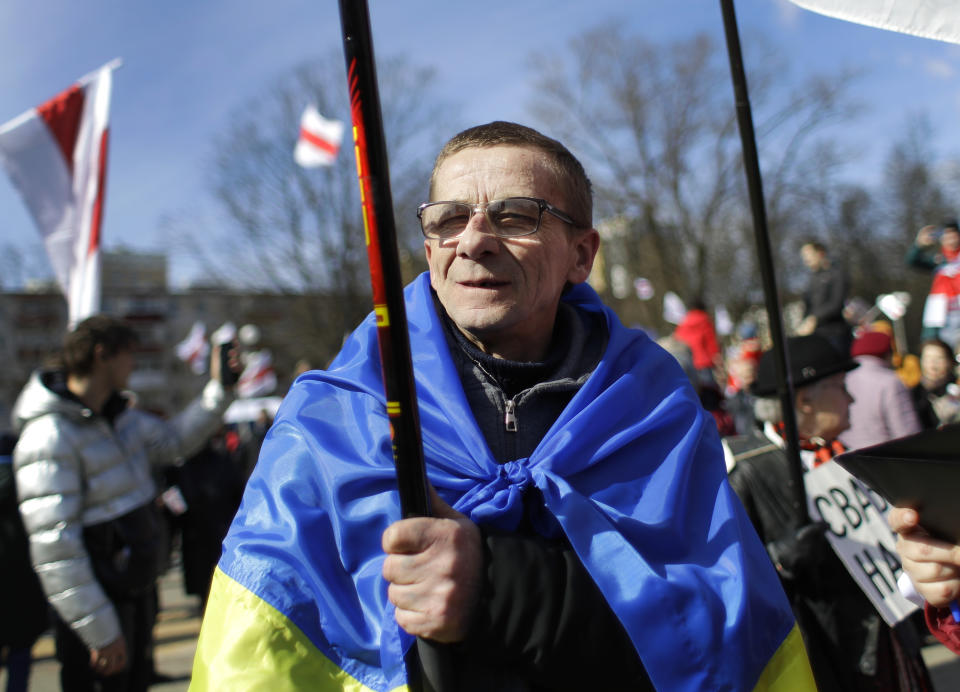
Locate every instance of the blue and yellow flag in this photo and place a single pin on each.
(632, 473)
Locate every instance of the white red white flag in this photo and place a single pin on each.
(195, 349)
(319, 139)
(258, 377)
(56, 156)
(944, 296)
(937, 19)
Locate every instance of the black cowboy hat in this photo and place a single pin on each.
(809, 358)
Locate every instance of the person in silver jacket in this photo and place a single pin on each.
(86, 493)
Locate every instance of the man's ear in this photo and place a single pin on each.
(428, 251)
(99, 353)
(804, 402)
(585, 248)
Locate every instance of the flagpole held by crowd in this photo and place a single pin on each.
(751, 166)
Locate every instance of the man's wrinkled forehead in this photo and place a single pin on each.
(492, 172)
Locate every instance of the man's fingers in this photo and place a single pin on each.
(403, 568)
(407, 536)
(928, 572)
(423, 616)
(903, 519)
(408, 596)
(921, 547)
(415, 623)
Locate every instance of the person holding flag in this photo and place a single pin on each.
(86, 496)
(583, 533)
(938, 251)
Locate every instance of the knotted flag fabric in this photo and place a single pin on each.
(56, 156)
(937, 19)
(631, 473)
(319, 140)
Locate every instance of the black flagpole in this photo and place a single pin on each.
(381, 235)
(392, 334)
(751, 166)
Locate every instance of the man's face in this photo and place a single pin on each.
(824, 408)
(120, 365)
(810, 256)
(950, 240)
(503, 292)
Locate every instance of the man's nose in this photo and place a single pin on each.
(478, 236)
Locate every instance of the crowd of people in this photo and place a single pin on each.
(853, 389)
(928, 380)
(602, 514)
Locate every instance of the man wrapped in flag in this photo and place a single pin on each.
(584, 535)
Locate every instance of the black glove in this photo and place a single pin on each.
(801, 553)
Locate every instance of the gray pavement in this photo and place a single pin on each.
(179, 624)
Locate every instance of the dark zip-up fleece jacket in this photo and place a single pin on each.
(542, 623)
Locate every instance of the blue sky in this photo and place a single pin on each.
(188, 65)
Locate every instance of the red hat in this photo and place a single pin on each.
(871, 344)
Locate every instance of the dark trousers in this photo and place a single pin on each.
(137, 616)
(17, 661)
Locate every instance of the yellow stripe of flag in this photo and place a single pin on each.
(247, 644)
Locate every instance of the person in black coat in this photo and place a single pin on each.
(824, 298)
(23, 607)
(849, 645)
(211, 484)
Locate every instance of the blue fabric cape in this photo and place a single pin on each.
(632, 472)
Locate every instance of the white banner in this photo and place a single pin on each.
(860, 536)
(938, 19)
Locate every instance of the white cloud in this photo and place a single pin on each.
(938, 68)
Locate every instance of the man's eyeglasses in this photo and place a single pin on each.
(508, 218)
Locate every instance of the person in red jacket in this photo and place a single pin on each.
(696, 331)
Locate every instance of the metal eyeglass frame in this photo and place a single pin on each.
(542, 204)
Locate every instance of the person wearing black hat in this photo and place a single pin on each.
(849, 645)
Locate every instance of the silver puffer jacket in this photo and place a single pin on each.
(74, 469)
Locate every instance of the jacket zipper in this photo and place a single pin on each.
(510, 416)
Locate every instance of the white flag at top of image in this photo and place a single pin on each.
(56, 156)
(319, 139)
(938, 19)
